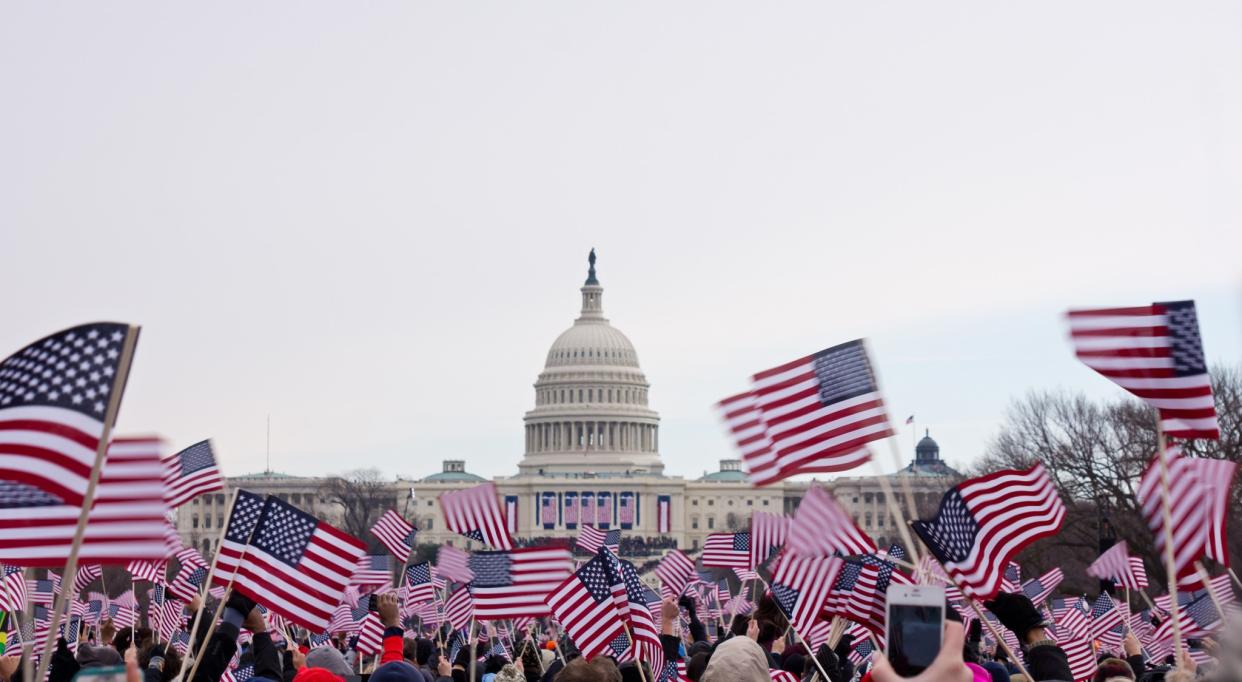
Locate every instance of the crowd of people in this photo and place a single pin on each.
(755, 648)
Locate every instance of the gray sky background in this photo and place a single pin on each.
(370, 219)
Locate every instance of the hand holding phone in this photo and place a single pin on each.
(915, 626)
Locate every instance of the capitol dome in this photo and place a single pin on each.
(591, 415)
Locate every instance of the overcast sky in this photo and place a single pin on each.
(370, 220)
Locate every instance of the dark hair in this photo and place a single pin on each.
(602, 669)
(422, 649)
(172, 662)
(772, 623)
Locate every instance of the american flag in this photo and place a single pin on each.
(800, 587)
(475, 513)
(821, 527)
(1198, 618)
(1215, 477)
(767, 533)
(586, 605)
(190, 473)
(1115, 564)
(643, 627)
(432, 613)
(189, 582)
(85, 576)
(727, 550)
(418, 583)
(1011, 579)
(1186, 509)
(459, 608)
(856, 595)
(547, 510)
(1080, 656)
(396, 534)
(861, 652)
(674, 571)
(320, 640)
(42, 591)
(147, 570)
(517, 582)
(373, 570)
(1071, 617)
(1156, 353)
(247, 507)
(453, 564)
(743, 418)
(983, 522)
(122, 616)
(53, 396)
(571, 510)
(181, 643)
(626, 509)
(590, 539)
(370, 634)
(127, 521)
(745, 574)
(240, 674)
(820, 411)
(347, 615)
(1039, 589)
(13, 593)
(297, 565)
(1104, 616)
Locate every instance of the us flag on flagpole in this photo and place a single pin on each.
(984, 522)
(297, 565)
(817, 412)
(190, 473)
(586, 605)
(1115, 564)
(767, 533)
(727, 550)
(590, 539)
(1186, 508)
(127, 521)
(1156, 353)
(800, 587)
(1215, 477)
(373, 570)
(396, 534)
(674, 571)
(13, 594)
(453, 564)
(418, 583)
(744, 420)
(517, 582)
(821, 527)
(247, 507)
(53, 396)
(475, 513)
(150, 571)
(1039, 589)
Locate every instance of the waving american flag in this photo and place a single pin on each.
(515, 583)
(190, 473)
(476, 514)
(586, 604)
(297, 565)
(396, 534)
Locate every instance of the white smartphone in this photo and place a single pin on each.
(914, 627)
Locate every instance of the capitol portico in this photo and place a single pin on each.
(592, 455)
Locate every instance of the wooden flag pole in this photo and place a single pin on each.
(473, 649)
(88, 500)
(806, 646)
(215, 619)
(638, 657)
(206, 589)
(1169, 560)
(1235, 577)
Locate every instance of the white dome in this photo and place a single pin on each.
(592, 342)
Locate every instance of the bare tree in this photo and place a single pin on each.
(1097, 452)
(362, 495)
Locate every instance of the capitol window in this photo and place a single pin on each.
(694, 522)
(711, 522)
(694, 502)
(868, 517)
(867, 498)
(765, 503)
(750, 503)
(711, 503)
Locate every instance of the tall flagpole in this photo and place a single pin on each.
(88, 500)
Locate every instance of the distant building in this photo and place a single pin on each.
(592, 442)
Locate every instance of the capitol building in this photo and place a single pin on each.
(592, 455)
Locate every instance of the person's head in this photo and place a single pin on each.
(600, 669)
(328, 658)
(99, 656)
(493, 664)
(309, 674)
(696, 665)
(530, 656)
(772, 623)
(509, 673)
(793, 663)
(422, 651)
(631, 673)
(1113, 668)
(739, 659)
(740, 623)
(396, 671)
